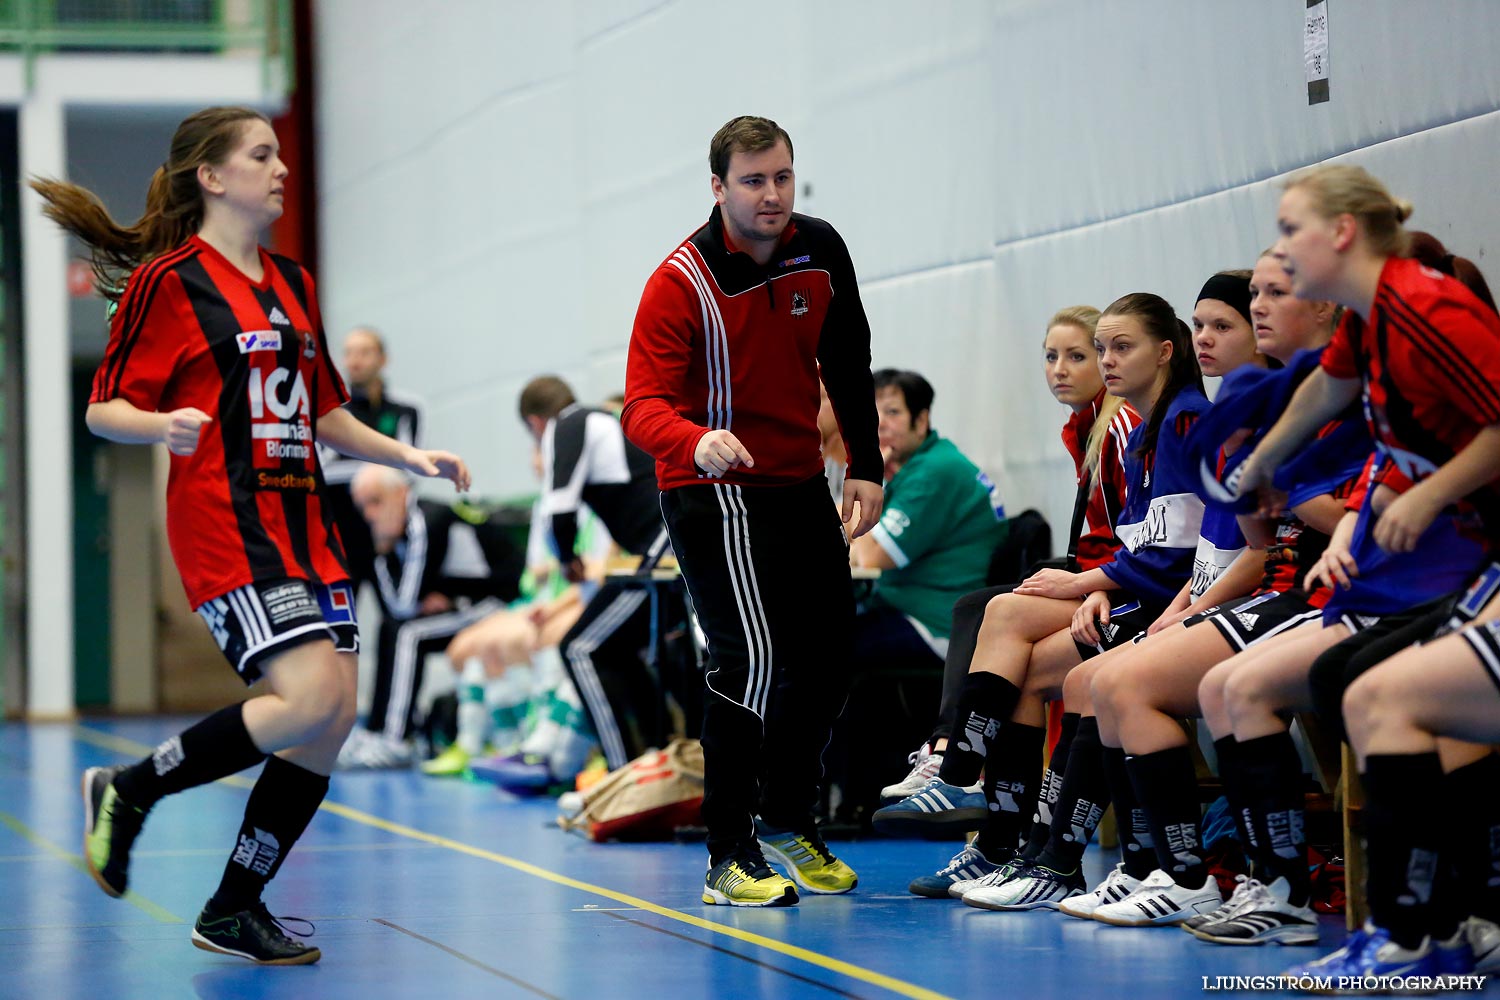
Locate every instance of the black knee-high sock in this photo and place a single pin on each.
(1270, 773)
(1081, 801)
(1404, 818)
(1166, 785)
(985, 704)
(1231, 774)
(212, 749)
(1011, 775)
(282, 803)
(1051, 789)
(1470, 842)
(1137, 848)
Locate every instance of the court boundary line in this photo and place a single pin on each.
(836, 965)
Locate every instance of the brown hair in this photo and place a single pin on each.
(1343, 189)
(1086, 318)
(545, 396)
(174, 201)
(1161, 323)
(745, 134)
(1428, 249)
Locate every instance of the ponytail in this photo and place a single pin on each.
(174, 200)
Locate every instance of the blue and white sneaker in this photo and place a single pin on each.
(969, 864)
(1370, 956)
(1030, 887)
(939, 809)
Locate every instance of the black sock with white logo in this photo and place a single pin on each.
(282, 803)
(985, 703)
(214, 748)
(1081, 801)
(1051, 788)
(1270, 771)
(1404, 821)
(1010, 787)
(1137, 847)
(1470, 846)
(1167, 786)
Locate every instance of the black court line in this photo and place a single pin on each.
(734, 954)
(471, 960)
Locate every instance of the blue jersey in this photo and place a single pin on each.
(1220, 543)
(1445, 559)
(1163, 515)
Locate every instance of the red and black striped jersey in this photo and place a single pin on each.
(1429, 359)
(1099, 543)
(193, 330)
(721, 342)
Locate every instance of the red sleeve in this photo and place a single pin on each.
(329, 385)
(1467, 373)
(1338, 357)
(661, 352)
(146, 340)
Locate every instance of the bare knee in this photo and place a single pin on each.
(1076, 687)
(320, 697)
(1110, 689)
(1366, 700)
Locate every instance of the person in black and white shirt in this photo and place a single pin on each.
(438, 571)
(587, 460)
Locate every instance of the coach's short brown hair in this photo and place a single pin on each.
(545, 396)
(745, 134)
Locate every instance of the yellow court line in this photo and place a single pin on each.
(894, 985)
(158, 913)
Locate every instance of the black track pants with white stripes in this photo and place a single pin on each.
(401, 657)
(767, 571)
(603, 657)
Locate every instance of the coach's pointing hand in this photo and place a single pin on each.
(719, 451)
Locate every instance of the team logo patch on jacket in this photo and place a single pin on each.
(799, 303)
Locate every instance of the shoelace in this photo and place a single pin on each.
(1246, 894)
(924, 764)
(280, 923)
(1115, 877)
(962, 859)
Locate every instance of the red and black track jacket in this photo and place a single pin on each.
(721, 342)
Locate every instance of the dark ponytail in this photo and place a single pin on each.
(174, 201)
(1160, 323)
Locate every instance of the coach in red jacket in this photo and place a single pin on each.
(722, 389)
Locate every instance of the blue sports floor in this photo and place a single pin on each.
(448, 889)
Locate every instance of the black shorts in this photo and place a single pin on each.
(1485, 639)
(1128, 622)
(264, 619)
(1468, 603)
(1249, 620)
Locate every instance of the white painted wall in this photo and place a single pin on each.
(499, 177)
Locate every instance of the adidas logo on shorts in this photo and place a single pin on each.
(1246, 619)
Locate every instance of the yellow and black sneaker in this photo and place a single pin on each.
(807, 858)
(253, 934)
(110, 826)
(743, 879)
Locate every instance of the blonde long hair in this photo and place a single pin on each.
(1341, 188)
(1086, 318)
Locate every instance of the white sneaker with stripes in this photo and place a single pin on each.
(925, 764)
(1263, 915)
(1115, 887)
(1161, 902)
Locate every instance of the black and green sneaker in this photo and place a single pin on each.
(252, 934)
(110, 826)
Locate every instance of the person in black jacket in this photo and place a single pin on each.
(439, 570)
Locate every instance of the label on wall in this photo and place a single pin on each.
(1315, 51)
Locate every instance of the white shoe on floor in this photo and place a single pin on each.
(1116, 886)
(1161, 902)
(925, 763)
(367, 751)
(1261, 915)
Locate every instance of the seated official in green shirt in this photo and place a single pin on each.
(943, 519)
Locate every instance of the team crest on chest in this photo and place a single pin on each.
(309, 345)
(799, 303)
